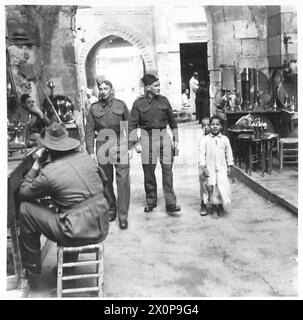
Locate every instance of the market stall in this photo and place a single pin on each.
(257, 114)
(21, 146)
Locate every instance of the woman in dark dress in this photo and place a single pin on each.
(202, 101)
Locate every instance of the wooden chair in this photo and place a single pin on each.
(98, 262)
(269, 143)
(288, 151)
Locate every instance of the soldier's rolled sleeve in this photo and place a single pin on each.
(125, 118)
(90, 132)
(133, 125)
(34, 185)
(172, 122)
(126, 113)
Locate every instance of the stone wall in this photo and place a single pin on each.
(281, 19)
(128, 23)
(157, 32)
(238, 38)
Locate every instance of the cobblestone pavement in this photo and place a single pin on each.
(251, 251)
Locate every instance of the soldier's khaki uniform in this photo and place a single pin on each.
(153, 116)
(108, 120)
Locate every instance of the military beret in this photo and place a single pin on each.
(149, 78)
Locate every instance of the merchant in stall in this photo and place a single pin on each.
(37, 119)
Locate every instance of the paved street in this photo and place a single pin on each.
(251, 251)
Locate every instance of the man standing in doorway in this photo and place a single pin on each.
(109, 118)
(193, 86)
(152, 113)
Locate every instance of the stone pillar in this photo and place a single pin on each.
(168, 55)
(281, 20)
(237, 37)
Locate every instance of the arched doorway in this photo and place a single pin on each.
(115, 59)
(159, 49)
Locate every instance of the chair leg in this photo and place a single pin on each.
(100, 270)
(270, 157)
(59, 271)
(281, 157)
(249, 159)
(262, 151)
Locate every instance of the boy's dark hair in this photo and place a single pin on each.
(215, 117)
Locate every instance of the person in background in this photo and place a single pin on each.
(203, 173)
(38, 120)
(90, 99)
(202, 101)
(217, 158)
(193, 86)
(184, 113)
(185, 99)
(152, 113)
(76, 186)
(109, 117)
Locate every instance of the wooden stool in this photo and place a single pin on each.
(240, 150)
(98, 262)
(235, 143)
(253, 152)
(288, 151)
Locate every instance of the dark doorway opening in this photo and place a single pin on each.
(193, 58)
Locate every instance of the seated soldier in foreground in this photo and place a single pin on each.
(74, 183)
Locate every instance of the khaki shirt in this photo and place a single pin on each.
(112, 115)
(74, 184)
(151, 114)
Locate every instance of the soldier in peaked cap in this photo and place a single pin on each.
(152, 113)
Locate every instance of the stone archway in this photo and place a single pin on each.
(121, 31)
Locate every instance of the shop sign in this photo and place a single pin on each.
(196, 35)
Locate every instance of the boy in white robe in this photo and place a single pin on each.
(216, 157)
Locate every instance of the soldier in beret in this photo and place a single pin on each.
(152, 113)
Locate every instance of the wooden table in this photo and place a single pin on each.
(18, 166)
(230, 118)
